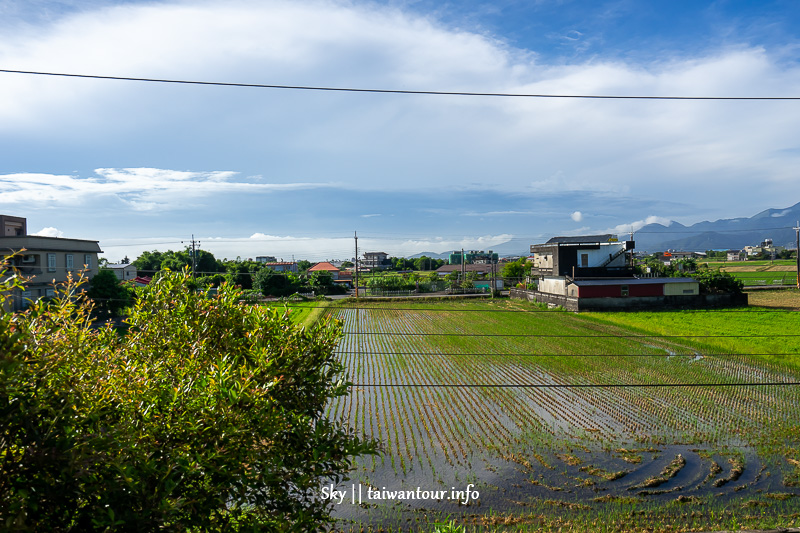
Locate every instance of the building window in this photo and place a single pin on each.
(584, 260)
(51, 262)
(623, 290)
(26, 299)
(49, 293)
(70, 262)
(87, 260)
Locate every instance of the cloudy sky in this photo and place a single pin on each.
(294, 173)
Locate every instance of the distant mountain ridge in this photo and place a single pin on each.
(730, 233)
(723, 234)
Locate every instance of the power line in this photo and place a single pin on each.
(395, 91)
(565, 336)
(572, 385)
(532, 310)
(494, 354)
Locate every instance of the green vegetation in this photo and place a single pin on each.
(109, 295)
(206, 415)
(766, 334)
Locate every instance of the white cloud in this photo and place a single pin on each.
(682, 152)
(49, 232)
(577, 216)
(141, 189)
(639, 224)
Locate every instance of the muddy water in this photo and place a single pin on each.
(573, 478)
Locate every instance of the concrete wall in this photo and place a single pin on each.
(553, 285)
(598, 256)
(680, 289)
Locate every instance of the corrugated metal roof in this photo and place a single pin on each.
(582, 239)
(631, 281)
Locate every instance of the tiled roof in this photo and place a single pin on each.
(323, 266)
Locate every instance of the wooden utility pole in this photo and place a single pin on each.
(797, 248)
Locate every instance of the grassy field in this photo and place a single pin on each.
(759, 273)
(303, 313)
(768, 333)
(751, 264)
(786, 299)
(572, 422)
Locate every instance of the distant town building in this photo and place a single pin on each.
(766, 247)
(266, 259)
(282, 266)
(736, 255)
(473, 257)
(376, 261)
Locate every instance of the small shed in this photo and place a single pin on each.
(633, 287)
(123, 271)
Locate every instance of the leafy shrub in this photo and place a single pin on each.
(716, 281)
(206, 415)
(251, 296)
(390, 283)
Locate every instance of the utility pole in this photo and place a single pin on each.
(797, 248)
(355, 235)
(194, 255)
(463, 268)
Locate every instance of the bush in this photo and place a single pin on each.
(207, 415)
(716, 281)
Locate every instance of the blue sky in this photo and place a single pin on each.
(251, 171)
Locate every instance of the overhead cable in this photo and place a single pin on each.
(396, 91)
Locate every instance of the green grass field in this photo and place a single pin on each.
(760, 273)
(770, 334)
(303, 313)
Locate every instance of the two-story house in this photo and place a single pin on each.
(45, 261)
(376, 260)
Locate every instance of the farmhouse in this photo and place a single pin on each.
(595, 272)
(587, 256)
(344, 278)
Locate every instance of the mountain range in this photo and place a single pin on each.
(724, 234)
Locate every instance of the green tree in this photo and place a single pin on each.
(424, 263)
(304, 265)
(271, 283)
(241, 273)
(149, 262)
(206, 416)
(516, 271)
(109, 294)
(688, 264)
